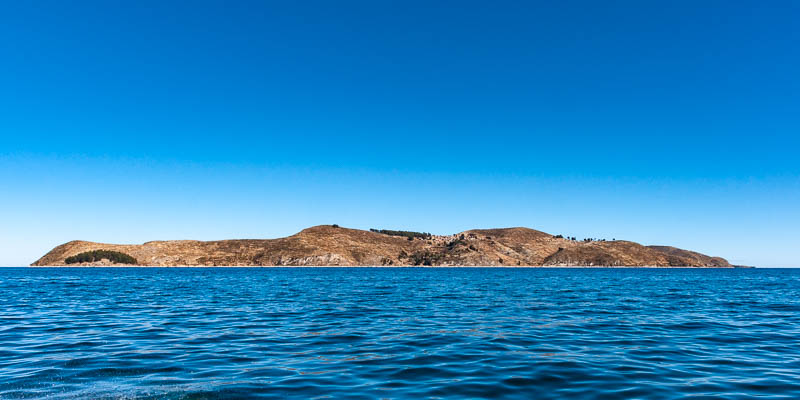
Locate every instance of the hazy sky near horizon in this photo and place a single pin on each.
(660, 122)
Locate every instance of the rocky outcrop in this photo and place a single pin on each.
(327, 245)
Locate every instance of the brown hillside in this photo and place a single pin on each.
(329, 245)
(678, 256)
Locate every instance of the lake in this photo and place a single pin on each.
(209, 333)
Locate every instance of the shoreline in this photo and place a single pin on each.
(383, 266)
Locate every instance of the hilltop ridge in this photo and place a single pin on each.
(331, 245)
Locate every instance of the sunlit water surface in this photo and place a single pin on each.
(367, 333)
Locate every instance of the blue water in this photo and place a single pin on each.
(399, 333)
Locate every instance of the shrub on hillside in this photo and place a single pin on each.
(97, 255)
(410, 235)
(425, 258)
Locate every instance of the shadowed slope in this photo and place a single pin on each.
(677, 256)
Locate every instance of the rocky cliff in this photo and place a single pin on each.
(336, 246)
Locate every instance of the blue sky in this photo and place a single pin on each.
(660, 122)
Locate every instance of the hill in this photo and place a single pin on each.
(335, 246)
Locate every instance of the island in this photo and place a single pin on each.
(332, 245)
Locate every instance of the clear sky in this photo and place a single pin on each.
(674, 122)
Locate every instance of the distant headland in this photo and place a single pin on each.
(331, 245)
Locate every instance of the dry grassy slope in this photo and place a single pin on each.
(676, 255)
(327, 245)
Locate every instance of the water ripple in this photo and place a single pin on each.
(71, 333)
